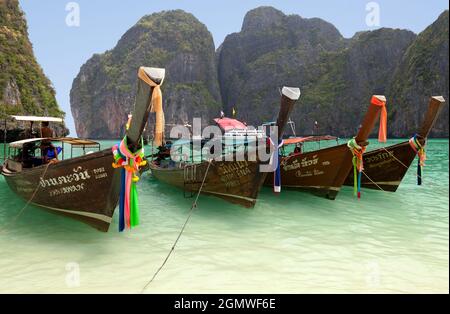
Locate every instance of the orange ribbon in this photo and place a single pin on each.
(382, 132)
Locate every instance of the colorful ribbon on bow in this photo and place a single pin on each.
(130, 164)
(420, 152)
(382, 131)
(358, 165)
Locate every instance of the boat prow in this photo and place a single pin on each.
(85, 188)
(385, 168)
(324, 171)
(238, 182)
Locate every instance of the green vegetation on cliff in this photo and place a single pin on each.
(336, 75)
(174, 40)
(24, 89)
(423, 72)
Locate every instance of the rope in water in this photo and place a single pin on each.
(191, 211)
(30, 200)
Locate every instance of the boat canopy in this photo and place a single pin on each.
(297, 140)
(19, 144)
(227, 124)
(76, 142)
(35, 119)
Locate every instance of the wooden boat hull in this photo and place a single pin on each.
(85, 188)
(385, 167)
(321, 172)
(238, 182)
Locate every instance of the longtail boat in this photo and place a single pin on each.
(324, 171)
(385, 168)
(238, 182)
(85, 188)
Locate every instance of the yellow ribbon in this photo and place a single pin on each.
(157, 107)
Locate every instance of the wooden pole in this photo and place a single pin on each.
(289, 97)
(434, 108)
(142, 107)
(4, 143)
(369, 120)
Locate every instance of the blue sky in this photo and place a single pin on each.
(62, 50)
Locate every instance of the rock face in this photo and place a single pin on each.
(103, 92)
(336, 75)
(339, 95)
(24, 89)
(271, 50)
(422, 72)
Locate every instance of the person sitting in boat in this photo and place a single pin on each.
(27, 155)
(163, 152)
(49, 152)
(297, 150)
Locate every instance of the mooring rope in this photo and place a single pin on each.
(30, 200)
(191, 211)
(392, 155)
(399, 161)
(373, 181)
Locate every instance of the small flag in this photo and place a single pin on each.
(222, 114)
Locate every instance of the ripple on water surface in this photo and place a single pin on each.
(294, 242)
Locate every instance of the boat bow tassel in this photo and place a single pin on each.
(419, 149)
(130, 164)
(157, 108)
(358, 164)
(382, 132)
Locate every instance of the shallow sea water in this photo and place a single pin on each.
(294, 242)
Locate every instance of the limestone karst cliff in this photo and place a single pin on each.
(337, 75)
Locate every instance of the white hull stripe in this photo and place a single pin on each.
(332, 188)
(385, 183)
(79, 213)
(231, 195)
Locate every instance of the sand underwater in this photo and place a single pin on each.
(294, 242)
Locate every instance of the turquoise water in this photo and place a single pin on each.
(295, 242)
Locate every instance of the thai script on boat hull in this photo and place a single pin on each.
(296, 164)
(78, 175)
(67, 189)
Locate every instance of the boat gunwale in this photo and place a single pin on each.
(63, 163)
(340, 146)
